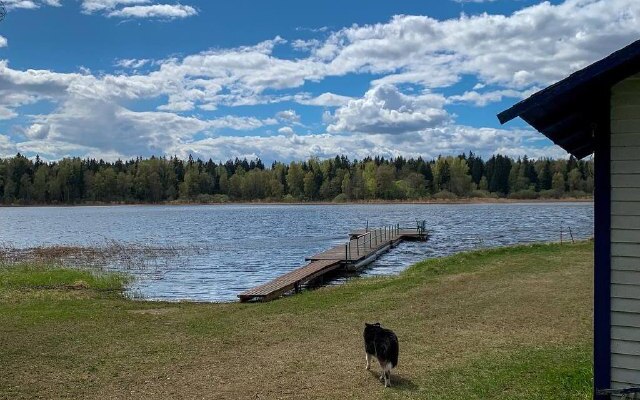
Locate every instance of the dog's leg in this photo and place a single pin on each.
(387, 376)
(382, 373)
(368, 358)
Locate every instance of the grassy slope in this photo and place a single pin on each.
(512, 323)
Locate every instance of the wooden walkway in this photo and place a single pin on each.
(363, 247)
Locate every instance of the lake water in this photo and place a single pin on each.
(229, 248)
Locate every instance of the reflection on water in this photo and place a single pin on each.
(239, 246)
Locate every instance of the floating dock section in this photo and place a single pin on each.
(363, 247)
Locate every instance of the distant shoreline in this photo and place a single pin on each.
(475, 200)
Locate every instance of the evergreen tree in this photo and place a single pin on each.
(498, 169)
(546, 177)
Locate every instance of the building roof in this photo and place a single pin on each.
(567, 111)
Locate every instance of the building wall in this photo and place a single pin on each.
(625, 233)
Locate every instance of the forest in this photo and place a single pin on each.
(25, 181)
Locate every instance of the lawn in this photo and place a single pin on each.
(509, 323)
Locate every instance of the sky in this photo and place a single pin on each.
(288, 80)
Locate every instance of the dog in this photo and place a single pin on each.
(383, 344)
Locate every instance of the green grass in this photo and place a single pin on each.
(509, 323)
(38, 276)
(546, 373)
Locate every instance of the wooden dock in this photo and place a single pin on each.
(363, 247)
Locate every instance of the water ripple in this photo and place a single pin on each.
(240, 246)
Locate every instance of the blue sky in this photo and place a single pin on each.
(289, 79)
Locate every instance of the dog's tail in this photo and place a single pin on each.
(394, 349)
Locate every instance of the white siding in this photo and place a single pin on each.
(625, 233)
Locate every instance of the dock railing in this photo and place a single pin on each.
(363, 244)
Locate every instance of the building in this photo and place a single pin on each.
(597, 110)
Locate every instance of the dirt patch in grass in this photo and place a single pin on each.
(504, 324)
(154, 311)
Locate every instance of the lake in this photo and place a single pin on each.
(222, 250)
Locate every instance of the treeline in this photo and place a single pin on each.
(153, 180)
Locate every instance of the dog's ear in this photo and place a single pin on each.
(366, 324)
(376, 324)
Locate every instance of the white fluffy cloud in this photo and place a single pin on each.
(137, 9)
(384, 109)
(37, 131)
(92, 6)
(30, 4)
(288, 116)
(3, 41)
(168, 11)
(326, 99)
(483, 98)
(132, 63)
(286, 130)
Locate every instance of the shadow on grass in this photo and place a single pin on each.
(398, 382)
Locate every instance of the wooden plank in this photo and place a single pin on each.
(625, 167)
(625, 319)
(627, 153)
(625, 333)
(625, 263)
(625, 180)
(625, 236)
(625, 361)
(624, 222)
(626, 278)
(624, 112)
(625, 291)
(625, 249)
(626, 305)
(625, 139)
(627, 208)
(625, 347)
(625, 98)
(288, 281)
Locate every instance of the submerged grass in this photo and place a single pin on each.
(510, 323)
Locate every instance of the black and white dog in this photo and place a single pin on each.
(383, 344)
